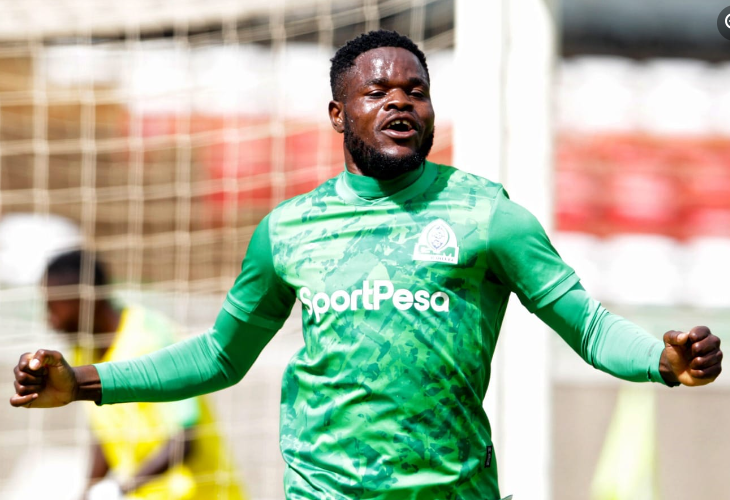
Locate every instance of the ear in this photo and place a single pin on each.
(337, 116)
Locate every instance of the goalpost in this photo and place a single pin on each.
(503, 131)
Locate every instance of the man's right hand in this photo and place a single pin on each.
(44, 380)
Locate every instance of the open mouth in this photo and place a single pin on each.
(400, 128)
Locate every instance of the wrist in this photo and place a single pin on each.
(88, 384)
(665, 370)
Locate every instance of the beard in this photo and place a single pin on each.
(378, 165)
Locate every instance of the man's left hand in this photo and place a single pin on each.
(692, 358)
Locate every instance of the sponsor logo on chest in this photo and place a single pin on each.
(371, 297)
(437, 243)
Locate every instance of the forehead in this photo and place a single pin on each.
(60, 279)
(60, 287)
(389, 63)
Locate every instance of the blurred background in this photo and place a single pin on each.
(159, 133)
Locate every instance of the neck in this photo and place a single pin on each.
(350, 164)
(371, 188)
(382, 175)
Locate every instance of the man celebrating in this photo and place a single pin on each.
(404, 269)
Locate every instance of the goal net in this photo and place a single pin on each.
(158, 134)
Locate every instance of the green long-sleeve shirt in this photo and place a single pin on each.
(404, 285)
(220, 357)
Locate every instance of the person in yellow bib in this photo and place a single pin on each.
(151, 451)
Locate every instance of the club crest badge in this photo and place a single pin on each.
(437, 243)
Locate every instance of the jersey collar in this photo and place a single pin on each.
(362, 190)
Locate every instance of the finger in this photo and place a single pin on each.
(707, 373)
(698, 333)
(23, 390)
(28, 365)
(24, 359)
(18, 401)
(673, 337)
(44, 357)
(702, 362)
(705, 346)
(26, 378)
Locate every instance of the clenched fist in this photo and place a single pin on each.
(692, 358)
(46, 380)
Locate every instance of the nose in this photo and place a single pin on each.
(399, 100)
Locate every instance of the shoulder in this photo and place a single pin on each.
(284, 222)
(286, 219)
(504, 212)
(315, 198)
(511, 213)
(511, 225)
(461, 183)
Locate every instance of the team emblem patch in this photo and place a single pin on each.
(437, 243)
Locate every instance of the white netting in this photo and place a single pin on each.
(159, 133)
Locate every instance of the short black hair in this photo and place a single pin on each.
(68, 265)
(344, 58)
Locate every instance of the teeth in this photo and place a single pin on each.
(401, 122)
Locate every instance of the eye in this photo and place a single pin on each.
(376, 94)
(418, 93)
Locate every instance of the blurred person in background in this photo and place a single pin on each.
(404, 269)
(169, 451)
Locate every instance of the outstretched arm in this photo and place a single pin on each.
(617, 346)
(520, 256)
(209, 362)
(255, 308)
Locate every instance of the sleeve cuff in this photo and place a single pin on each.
(106, 379)
(654, 357)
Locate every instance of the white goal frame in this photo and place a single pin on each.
(505, 54)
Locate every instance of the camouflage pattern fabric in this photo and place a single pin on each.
(403, 285)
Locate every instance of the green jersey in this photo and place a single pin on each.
(404, 286)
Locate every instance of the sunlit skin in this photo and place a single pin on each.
(385, 84)
(691, 358)
(54, 375)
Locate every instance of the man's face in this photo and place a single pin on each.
(386, 113)
(63, 312)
